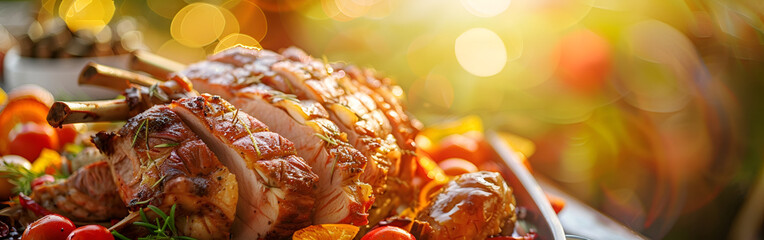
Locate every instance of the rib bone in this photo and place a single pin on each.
(92, 111)
(113, 78)
(155, 65)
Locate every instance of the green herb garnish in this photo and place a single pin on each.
(158, 181)
(138, 131)
(281, 95)
(252, 137)
(20, 176)
(325, 138)
(163, 227)
(250, 80)
(154, 92)
(148, 150)
(165, 145)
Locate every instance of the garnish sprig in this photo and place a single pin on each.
(163, 227)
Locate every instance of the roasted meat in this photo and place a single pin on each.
(356, 114)
(362, 109)
(156, 159)
(236, 75)
(276, 187)
(78, 199)
(472, 206)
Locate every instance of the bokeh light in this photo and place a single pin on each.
(198, 24)
(92, 15)
(481, 52)
(181, 52)
(486, 8)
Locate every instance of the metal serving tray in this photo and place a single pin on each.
(528, 193)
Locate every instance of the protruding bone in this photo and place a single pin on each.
(113, 78)
(153, 64)
(93, 111)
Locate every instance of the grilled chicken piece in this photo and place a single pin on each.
(276, 187)
(78, 199)
(156, 159)
(341, 196)
(472, 206)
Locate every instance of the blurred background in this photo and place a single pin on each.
(648, 110)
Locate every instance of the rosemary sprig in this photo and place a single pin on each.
(158, 181)
(135, 137)
(20, 176)
(246, 127)
(163, 226)
(154, 92)
(235, 117)
(325, 138)
(148, 150)
(252, 138)
(166, 145)
(282, 95)
(250, 80)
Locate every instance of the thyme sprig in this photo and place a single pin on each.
(163, 227)
(325, 138)
(155, 92)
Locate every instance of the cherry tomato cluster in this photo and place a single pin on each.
(57, 227)
(24, 130)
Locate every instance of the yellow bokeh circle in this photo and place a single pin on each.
(481, 52)
(90, 15)
(198, 24)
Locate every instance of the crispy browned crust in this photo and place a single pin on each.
(79, 199)
(240, 73)
(472, 206)
(157, 160)
(276, 165)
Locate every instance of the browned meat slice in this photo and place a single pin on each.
(388, 97)
(355, 113)
(156, 159)
(276, 187)
(472, 206)
(363, 114)
(78, 199)
(236, 74)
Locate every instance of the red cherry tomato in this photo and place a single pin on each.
(91, 232)
(459, 146)
(42, 180)
(28, 139)
(457, 166)
(585, 61)
(388, 233)
(49, 227)
(66, 134)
